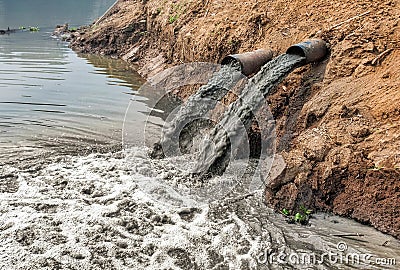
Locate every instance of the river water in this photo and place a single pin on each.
(70, 198)
(50, 98)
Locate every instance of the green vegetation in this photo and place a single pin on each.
(173, 18)
(30, 28)
(285, 212)
(302, 217)
(176, 11)
(34, 29)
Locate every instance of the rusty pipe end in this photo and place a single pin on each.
(313, 50)
(250, 62)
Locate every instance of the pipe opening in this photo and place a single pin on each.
(296, 50)
(313, 50)
(249, 62)
(229, 60)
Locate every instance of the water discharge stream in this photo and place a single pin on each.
(226, 135)
(197, 107)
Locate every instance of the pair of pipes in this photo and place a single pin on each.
(251, 62)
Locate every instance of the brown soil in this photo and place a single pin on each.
(338, 121)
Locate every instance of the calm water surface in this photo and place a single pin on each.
(51, 99)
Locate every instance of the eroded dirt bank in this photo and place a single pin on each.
(338, 121)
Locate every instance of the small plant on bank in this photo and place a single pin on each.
(302, 217)
(285, 212)
(176, 10)
(173, 18)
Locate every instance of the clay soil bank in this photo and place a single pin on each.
(337, 121)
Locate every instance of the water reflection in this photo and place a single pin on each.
(119, 71)
(123, 74)
(80, 110)
(50, 99)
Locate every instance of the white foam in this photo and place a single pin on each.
(118, 211)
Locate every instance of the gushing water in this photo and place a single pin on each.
(197, 106)
(225, 137)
